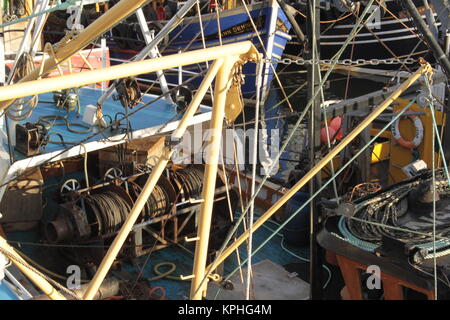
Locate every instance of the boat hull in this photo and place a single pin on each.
(383, 38)
(234, 26)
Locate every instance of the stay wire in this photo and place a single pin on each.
(353, 33)
(325, 185)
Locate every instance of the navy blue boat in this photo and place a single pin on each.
(234, 25)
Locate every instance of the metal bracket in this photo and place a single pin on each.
(187, 277)
(191, 239)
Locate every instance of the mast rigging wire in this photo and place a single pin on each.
(354, 31)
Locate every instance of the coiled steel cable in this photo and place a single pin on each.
(22, 108)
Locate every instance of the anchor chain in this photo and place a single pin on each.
(345, 62)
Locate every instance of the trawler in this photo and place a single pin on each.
(111, 193)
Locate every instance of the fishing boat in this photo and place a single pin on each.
(263, 23)
(390, 33)
(125, 196)
(60, 125)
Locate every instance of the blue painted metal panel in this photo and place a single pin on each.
(158, 113)
(6, 293)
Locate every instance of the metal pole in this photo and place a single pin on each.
(315, 252)
(148, 37)
(223, 82)
(78, 79)
(430, 18)
(117, 13)
(424, 69)
(37, 279)
(287, 11)
(147, 190)
(121, 237)
(168, 27)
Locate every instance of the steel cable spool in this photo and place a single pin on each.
(114, 211)
(135, 190)
(109, 215)
(91, 207)
(178, 182)
(158, 202)
(190, 180)
(125, 208)
(162, 198)
(110, 210)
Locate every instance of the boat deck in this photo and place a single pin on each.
(158, 117)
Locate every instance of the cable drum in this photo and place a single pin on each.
(158, 202)
(102, 212)
(110, 211)
(135, 190)
(189, 182)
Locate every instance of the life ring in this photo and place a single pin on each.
(417, 138)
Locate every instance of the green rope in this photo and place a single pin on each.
(438, 137)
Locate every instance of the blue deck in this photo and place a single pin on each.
(177, 290)
(156, 114)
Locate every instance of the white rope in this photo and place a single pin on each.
(252, 187)
(204, 45)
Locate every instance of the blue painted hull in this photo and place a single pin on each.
(235, 26)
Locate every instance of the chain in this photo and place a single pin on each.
(345, 62)
(238, 76)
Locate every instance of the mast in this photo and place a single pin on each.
(313, 52)
(287, 11)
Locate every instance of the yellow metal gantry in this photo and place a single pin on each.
(227, 60)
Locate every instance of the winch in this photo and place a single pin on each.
(65, 99)
(98, 212)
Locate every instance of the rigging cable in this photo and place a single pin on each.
(352, 34)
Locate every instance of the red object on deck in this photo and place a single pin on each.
(160, 13)
(336, 124)
(323, 134)
(212, 5)
(334, 130)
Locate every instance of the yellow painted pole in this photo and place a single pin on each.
(105, 22)
(121, 237)
(37, 279)
(127, 226)
(223, 82)
(424, 69)
(79, 79)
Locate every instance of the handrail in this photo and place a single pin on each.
(34, 87)
(64, 50)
